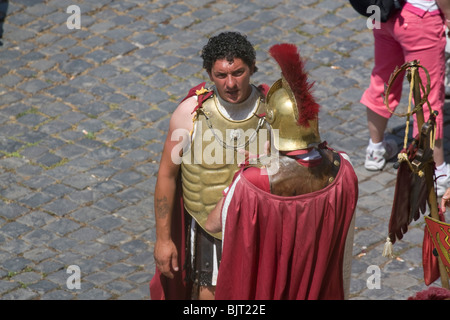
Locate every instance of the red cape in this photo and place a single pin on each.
(287, 248)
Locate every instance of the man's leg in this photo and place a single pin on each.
(206, 293)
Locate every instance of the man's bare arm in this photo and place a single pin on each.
(165, 252)
(214, 222)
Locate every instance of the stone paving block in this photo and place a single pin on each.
(14, 229)
(121, 47)
(119, 287)
(27, 277)
(48, 266)
(85, 197)
(129, 144)
(9, 146)
(118, 33)
(103, 154)
(128, 178)
(62, 91)
(10, 80)
(38, 255)
(58, 295)
(77, 51)
(15, 247)
(58, 190)
(60, 207)
(112, 255)
(48, 159)
(20, 294)
(13, 192)
(36, 200)
(115, 237)
(101, 278)
(53, 76)
(39, 237)
(34, 85)
(59, 276)
(94, 294)
(42, 287)
(79, 98)
(62, 226)
(132, 196)
(33, 152)
(145, 260)
(62, 245)
(135, 107)
(107, 223)
(370, 186)
(99, 56)
(108, 187)
(90, 249)
(10, 97)
(133, 247)
(86, 214)
(11, 211)
(85, 234)
(139, 277)
(52, 143)
(6, 286)
(15, 109)
(109, 204)
(15, 264)
(12, 163)
(89, 143)
(39, 182)
(70, 151)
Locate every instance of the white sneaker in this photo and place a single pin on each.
(376, 159)
(442, 182)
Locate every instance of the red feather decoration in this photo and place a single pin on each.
(292, 69)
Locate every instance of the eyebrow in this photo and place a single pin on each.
(218, 73)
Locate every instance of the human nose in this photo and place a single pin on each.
(230, 81)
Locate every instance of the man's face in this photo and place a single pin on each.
(232, 79)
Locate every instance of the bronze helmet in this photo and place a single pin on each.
(291, 109)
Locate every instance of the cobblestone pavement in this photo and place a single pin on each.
(84, 113)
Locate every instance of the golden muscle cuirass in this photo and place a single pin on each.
(211, 161)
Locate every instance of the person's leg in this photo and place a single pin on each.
(206, 293)
(207, 259)
(388, 55)
(377, 125)
(423, 39)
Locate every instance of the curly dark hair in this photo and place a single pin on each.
(228, 45)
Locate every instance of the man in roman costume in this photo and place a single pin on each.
(288, 233)
(201, 154)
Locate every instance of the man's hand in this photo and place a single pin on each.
(166, 257)
(445, 200)
(249, 156)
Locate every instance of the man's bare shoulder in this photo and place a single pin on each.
(183, 114)
(187, 106)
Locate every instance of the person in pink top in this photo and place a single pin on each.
(416, 32)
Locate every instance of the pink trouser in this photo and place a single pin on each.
(404, 38)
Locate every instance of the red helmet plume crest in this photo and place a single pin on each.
(292, 69)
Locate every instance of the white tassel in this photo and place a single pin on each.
(387, 251)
